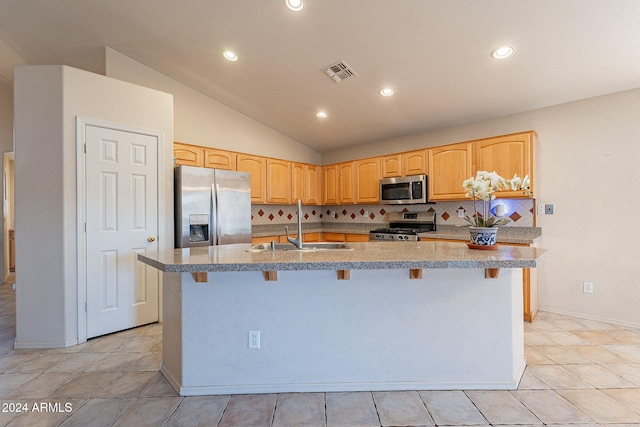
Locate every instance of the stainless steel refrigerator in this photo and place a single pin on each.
(212, 207)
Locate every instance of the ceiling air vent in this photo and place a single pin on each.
(339, 71)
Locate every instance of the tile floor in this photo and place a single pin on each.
(580, 373)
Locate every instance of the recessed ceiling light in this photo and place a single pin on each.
(386, 91)
(295, 5)
(230, 55)
(321, 115)
(502, 52)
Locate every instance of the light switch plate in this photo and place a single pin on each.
(540, 209)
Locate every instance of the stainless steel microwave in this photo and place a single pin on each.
(404, 190)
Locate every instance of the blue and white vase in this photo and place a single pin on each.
(483, 236)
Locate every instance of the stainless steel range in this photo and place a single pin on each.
(405, 226)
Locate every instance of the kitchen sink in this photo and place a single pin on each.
(314, 246)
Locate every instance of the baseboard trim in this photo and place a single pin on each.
(616, 322)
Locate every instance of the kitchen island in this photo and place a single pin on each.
(379, 316)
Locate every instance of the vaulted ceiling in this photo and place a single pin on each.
(434, 54)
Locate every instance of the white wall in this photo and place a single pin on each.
(588, 155)
(203, 121)
(47, 101)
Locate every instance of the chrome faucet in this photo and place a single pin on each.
(297, 242)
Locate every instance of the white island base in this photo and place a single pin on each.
(379, 330)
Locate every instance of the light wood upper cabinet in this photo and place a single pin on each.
(449, 166)
(330, 193)
(189, 155)
(507, 155)
(347, 180)
(414, 162)
(391, 166)
(367, 180)
(312, 184)
(278, 181)
(256, 166)
(298, 182)
(219, 159)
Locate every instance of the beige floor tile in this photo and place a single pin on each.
(629, 398)
(12, 361)
(531, 382)
(630, 352)
(599, 377)
(158, 386)
(139, 344)
(557, 377)
(599, 337)
(249, 410)
(501, 407)
(534, 357)
(98, 413)
(40, 363)
(41, 386)
(47, 413)
(106, 344)
(598, 354)
(600, 406)
(567, 338)
(561, 354)
(628, 371)
(10, 381)
(199, 411)
(536, 338)
(130, 384)
(630, 336)
(147, 362)
(452, 408)
(300, 409)
(351, 409)
(78, 362)
(401, 408)
(550, 407)
(116, 362)
(148, 411)
(85, 385)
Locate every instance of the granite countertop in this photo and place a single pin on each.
(367, 255)
(516, 235)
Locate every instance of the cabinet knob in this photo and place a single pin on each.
(151, 239)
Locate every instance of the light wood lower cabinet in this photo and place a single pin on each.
(529, 283)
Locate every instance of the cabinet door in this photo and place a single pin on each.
(449, 166)
(278, 181)
(256, 166)
(346, 178)
(414, 162)
(507, 155)
(298, 182)
(391, 166)
(368, 180)
(219, 159)
(311, 185)
(330, 196)
(188, 155)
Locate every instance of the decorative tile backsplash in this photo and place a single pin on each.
(520, 211)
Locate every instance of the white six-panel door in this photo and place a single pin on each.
(121, 221)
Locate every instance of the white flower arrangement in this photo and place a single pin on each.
(483, 187)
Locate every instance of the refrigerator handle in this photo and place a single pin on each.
(215, 191)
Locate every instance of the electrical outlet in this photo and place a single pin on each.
(460, 213)
(548, 209)
(254, 339)
(587, 287)
(540, 209)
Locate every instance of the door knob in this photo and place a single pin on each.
(151, 239)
